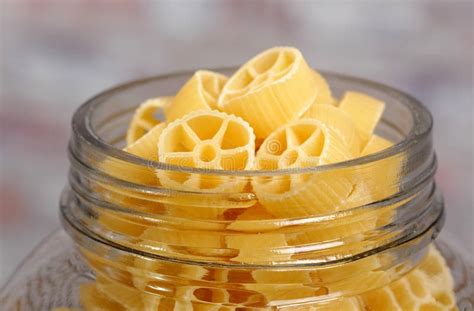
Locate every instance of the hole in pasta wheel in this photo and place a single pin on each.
(205, 126)
(264, 64)
(302, 132)
(417, 286)
(180, 140)
(315, 148)
(235, 136)
(158, 115)
(244, 79)
(444, 299)
(207, 153)
(432, 267)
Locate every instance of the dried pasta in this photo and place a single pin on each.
(298, 144)
(364, 110)
(144, 118)
(427, 287)
(206, 139)
(271, 89)
(199, 93)
(340, 122)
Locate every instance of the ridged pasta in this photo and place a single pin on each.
(364, 110)
(259, 248)
(382, 177)
(427, 287)
(340, 122)
(274, 87)
(254, 219)
(146, 147)
(206, 139)
(298, 144)
(277, 104)
(199, 93)
(144, 118)
(324, 96)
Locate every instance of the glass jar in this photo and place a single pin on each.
(156, 247)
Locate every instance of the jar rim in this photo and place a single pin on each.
(83, 129)
(412, 193)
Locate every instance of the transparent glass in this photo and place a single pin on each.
(173, 245)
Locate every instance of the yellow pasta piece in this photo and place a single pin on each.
(259, 248)
(190, 238)
(199, 93)
(93, 300)
(127, 172)
(254, 219)
(149, 266)
(163, 293)
(206, 139)
(428, 287)
(145, 118)
(365, 111)
(117, 222)
(324, 96)
(340, 279)
(124, 295)
(116, 268)
(382, 299)
(274, 87)
(157, 303)
(338, 304)
(289, 276)
(340, 122)
(382, 178)
(277, 293)
(341, 304)
(376, 144)
(298, 144)
(337, 230)
(145, 147)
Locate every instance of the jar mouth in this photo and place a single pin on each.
(84, 132)
(380, 202)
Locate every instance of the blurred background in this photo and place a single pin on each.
(56, 54)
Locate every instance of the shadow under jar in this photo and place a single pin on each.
(152, 247)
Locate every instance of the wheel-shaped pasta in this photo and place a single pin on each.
(206, 139)
(299, 144)
(274, 87)
(145, 118)
(427, 287)
(199, 93)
